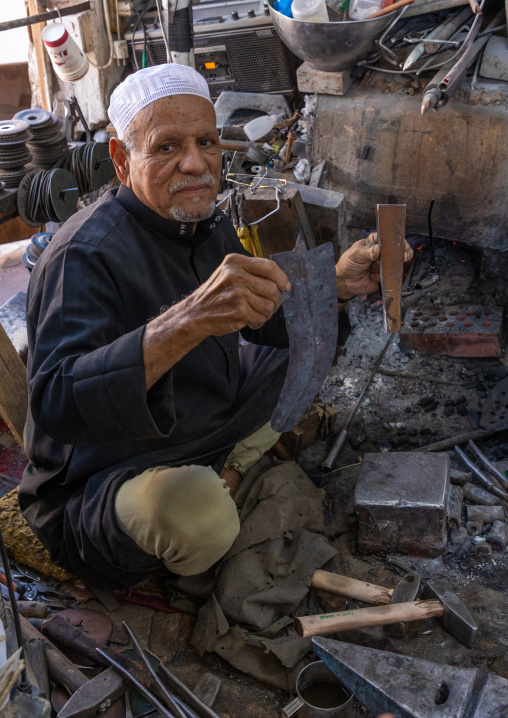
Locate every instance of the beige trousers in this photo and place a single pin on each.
(185, 515)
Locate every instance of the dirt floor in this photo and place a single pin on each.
(391, 417)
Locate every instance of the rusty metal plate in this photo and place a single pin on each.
(311, 314)
(391, 223)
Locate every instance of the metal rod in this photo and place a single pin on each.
(483, 479)
(191, 698)
(488, 465)
(169, 697)
(139, 686)
(44, 16)
(24, 684)
(335, 449)
(431, 238)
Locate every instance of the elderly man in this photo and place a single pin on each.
(144, 409)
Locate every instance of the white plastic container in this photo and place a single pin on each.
(309, 10)
(259, 126)
(69, 62)
(362, 9)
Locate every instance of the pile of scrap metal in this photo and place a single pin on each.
(281, 150)
(405, 503)
(36, 665)
(445, 43)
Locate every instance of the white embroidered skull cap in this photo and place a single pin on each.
(145, 86)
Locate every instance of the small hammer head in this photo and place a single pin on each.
(405, 591)
(456, 618)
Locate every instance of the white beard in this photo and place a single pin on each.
(179, 214)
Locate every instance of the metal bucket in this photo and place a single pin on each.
(329, 46)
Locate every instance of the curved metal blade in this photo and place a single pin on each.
(311, 314)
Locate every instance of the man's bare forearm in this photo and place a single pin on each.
(167, 339)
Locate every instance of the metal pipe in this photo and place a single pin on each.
(190, 697)
(169, 696)
(470, 51)
(488, 465)
(138, 686)
(483, 479)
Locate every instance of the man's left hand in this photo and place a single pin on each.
(357, 271)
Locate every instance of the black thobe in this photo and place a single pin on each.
(91, 423)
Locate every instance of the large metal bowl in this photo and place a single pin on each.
(329, 46)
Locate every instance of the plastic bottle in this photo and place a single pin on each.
(283, 6)
(362, 9)
(259, 126)
(309, 10)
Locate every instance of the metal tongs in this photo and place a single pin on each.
(488, 475)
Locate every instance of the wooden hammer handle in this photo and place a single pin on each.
(325, 623)
(351, 587)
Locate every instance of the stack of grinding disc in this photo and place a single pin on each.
(36, 247)
(14, 153)
(48, 144)
(47, 196)
(91, 164)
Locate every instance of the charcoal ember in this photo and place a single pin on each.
(471, 384)
(449, 410)
(461, 400)
(400, 440)
(461, 409)
(356, 440)
(431, 407)
(412, 432)
(426, 401)
(425, 431)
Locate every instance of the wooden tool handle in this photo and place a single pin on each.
(70, 637)
(325, 623)
(32, 609)
(390, 8)
(61, 669)
(351, 587)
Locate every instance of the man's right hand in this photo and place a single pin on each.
(243, 291)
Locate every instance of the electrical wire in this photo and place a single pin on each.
(24, 684)
(164, 33)
(140, 17)
(110, 39)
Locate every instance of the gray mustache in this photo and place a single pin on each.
(186, 181)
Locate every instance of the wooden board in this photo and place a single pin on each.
(13, 388)
(278, 233)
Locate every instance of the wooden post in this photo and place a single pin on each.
(13, 388)
(35, 9)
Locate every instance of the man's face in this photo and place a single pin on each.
(174, 163)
